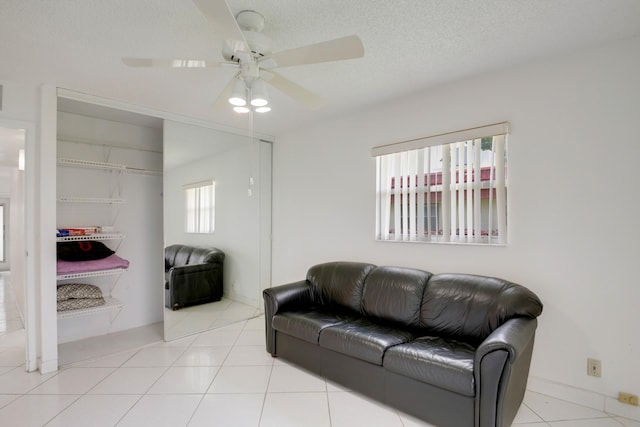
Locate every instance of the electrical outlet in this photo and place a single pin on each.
(594, 367)
(628, 398)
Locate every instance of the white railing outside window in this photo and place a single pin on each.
(446, 188)
(200, 207)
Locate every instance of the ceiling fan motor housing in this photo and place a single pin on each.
(259, 44)
(251, 23)
(250, 20)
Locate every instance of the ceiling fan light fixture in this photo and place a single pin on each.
(237, 101)
(241, 109)
(238, 94)
(259, 101)
(263, 109)
(259, 97)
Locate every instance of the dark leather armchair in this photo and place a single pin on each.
(193, 275)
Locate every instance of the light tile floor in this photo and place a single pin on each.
(222, 377)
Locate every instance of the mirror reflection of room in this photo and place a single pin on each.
(212, 201)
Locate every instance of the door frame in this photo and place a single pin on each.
(5, 237)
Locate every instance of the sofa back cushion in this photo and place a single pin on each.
(395, 294)
(470, 307)
(179, 255)
(339, 284)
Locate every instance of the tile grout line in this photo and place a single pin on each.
(206, 392)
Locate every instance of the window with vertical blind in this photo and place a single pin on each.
(200, 207)
(449, 188)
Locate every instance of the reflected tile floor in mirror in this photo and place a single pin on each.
(199, 318)
(178, 324)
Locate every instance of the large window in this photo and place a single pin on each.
(444, 188)
(200, 207)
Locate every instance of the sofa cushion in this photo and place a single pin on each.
(339, 284)
(394, 294)
(307, 324)
(180, 255)
(363, 339)
(470, 307)
(434, 360)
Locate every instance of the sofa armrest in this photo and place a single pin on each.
(193, 284)
(502, 364)
(281, 298)
(187, 276)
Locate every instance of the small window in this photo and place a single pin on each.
(200, 207)
(445, 188)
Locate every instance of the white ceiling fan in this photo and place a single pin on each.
(249, 50)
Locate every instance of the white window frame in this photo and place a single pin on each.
(199, 207)
(404, 172)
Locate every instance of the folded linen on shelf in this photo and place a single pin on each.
(74, 296)
(109, 263)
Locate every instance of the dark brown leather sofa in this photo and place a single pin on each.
(451, 349)
(193, 275)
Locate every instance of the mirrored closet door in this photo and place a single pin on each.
(217, 192)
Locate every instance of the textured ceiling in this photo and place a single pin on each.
(409, 45)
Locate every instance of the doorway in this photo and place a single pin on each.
(4, 235)
(16, 138)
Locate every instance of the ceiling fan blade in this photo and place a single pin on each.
(293, 90)
(172, 63)
(332, 50)
(224, 23)
(222, 101)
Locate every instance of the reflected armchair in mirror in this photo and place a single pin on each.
(193, 275)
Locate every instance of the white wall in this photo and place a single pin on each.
(140, 217)
(19, 101)
(237, 213)
(573, 205)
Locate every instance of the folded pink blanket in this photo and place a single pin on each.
(108, 263)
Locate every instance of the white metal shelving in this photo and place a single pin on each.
(97, 273)
(143, 171)
(98, 236)
(110, 305)
(90, 164)
(91, 200)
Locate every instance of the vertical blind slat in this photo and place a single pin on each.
(477, 189)
(501, 193)
(421, 190)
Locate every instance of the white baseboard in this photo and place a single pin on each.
(612, 406)
(47, 366)
(31, 365)
(243, 299)
(590, 399)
